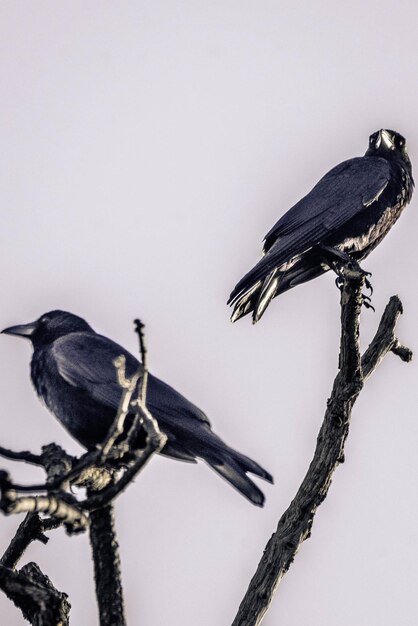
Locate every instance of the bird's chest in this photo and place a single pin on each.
(86, 420)
(365, 242)
(39, 376)
(49, 388)
(376, 223)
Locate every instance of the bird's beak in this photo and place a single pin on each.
(21, 330)
(387, 139)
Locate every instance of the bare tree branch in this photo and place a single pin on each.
(28, 457)
(33, 593)
(155, 441)
(139, 329)
(58, 504)
(128, 386)
(107, 574)
(98, 472)
(103, 541)
(385, 340)
(32, 528)
(105, 473)
(295, 524)
(29, 589)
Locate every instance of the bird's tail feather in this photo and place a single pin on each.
(236, 476)
(267, 292)
(199, 441)
(248, 465)
(257, 298)
(246, 302)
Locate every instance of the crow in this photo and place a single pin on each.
(73, 373)
(342, 219)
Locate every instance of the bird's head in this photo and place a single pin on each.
(388, 144)
(49, 327)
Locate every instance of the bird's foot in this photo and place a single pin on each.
(354, 266)
(368, 284)
(341, 261)
(367, 302)
(339, 281)
(343, 264)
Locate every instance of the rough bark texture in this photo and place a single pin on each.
(30, 529)
(34, 594)
(29, 588)
(295, 524)
(107, 573)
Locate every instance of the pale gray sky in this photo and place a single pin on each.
(146, 148)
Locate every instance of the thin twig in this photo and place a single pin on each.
(155, 441)
(139, 329)
(62, 506)
(58, 504)
(28, 457)
(128, 386)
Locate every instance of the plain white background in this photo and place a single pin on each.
(146, 148)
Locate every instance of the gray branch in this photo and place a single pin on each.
(295, 524)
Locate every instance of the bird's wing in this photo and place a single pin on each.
(338, 197)
(169, 406)
(85, 361)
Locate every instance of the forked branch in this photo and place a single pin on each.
(105, 473)
(295, 524)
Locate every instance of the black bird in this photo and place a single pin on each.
(342, 219)
(73, 373)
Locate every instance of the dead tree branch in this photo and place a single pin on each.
(295, 524)
(26, 456)
(103, 540)
(30, 590)
(31, 529)
(105, 473)
(33, 593)
(107, 574)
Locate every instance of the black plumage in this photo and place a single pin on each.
(344, 217)
(73, 373)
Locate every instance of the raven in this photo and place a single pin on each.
(73, 373)
(341, 220)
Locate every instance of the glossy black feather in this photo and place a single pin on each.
(347, 208)
(333, 201)
(73, 373)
